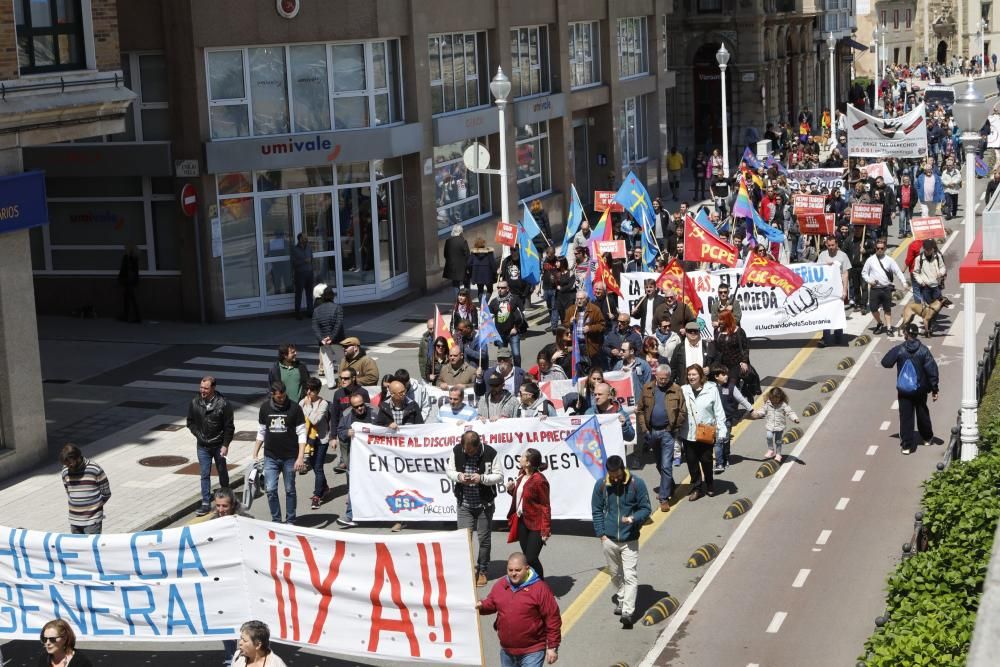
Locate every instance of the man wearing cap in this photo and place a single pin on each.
(673, 309)
(356, 358)
(498, 403)
(328, 326)
(694, 350)
(512, 375)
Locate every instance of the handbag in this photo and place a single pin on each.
(703, 433)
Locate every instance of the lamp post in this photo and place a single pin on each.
(969, 110)
(500, 88)
(722, 57)
(831, 44)
(876, 33)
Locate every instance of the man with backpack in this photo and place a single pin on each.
(916, 375)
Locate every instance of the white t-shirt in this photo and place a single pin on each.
(693, 354)
(840, 258)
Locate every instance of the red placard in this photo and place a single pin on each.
(928, 228)
(506, 234)
(802, 204)
(816, 223)
(604, 199)
(616, 248)
(866, 214)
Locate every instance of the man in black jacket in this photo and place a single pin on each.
(692, 350)
(210, 420)
(281, 432)
(399, 410)
(328, 328)
(508, 314)
(358, 413)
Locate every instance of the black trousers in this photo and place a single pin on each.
(531, 546)
(909, 406)
(303, 286)
(130, 304)
(699, 461)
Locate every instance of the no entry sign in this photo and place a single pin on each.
(189, 200)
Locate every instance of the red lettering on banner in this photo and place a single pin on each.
(324, 587)
(293, 605)
(442, 594)
(273, 553)
(385, 569)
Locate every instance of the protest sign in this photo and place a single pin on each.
(928, 228)
(815, 178)
(616, 248)
(621, 383)
(816, 223)
(335, 593)
(802, 204)
(506, 234)
(400, 475)
(866, 214)
(605, 199)
(899, 137)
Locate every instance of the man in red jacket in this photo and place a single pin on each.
(528, 623)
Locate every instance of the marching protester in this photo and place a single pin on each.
(281, 432)
(497, 403)
(735, 405)
(530, 515)
(834, 255)
(916, 376)
(587, 323)
(879, 272)
(456, 410)
(457, 371)
(319, 437)
(399, 409)
(438, 359)
(604, 404)
(359, 413)
(87, 490)
(531, 403)
(355, 357)
(59, 646)
(474, 474)
(508, 314)
(775, 413)
(349, 386)
(929, 272)
(289, 370)
(328, 328)
(464, 309)
(210, 421)
(511, 374)
(706, 422)
(661, 415)
(255, 647)
(695, 350)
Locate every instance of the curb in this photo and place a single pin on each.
(163, 519)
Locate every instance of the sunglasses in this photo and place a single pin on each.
(46, 640)
(439, 345)
(346, 377)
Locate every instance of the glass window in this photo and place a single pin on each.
(239, 248)
(268, 90)
(225, 75)
(529, 61)
(235, 183)
(155, 124)
(532, 148)
(632, 47)
(310, 88)
(49, 35)
(633, 130)
(166, 222)
(153, 78)
(291, 179)
(456, 62)
(584, 57)
(95, 222)
(391, 228)
(461, 195)
(348, 68)
(353, 172)
(229, 121)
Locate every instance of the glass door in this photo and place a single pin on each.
(277, 234)
(316, 214)
(354, 211)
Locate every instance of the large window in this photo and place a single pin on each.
(633, 40)
(260, 91)
(584, 54)
(532, 147)
(459, 71)
(148, 117)
(709, 6)
(529, 50)
(91, 220)
(461, 195)
(633, 130)
(49, 35)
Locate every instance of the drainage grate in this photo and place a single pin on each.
(403, 346)
(245, 436)
(146, 405)
(163, 461)
(168, 427)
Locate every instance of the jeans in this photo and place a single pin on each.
(930, 294)
(536, 659)
(952, 202)
(478, 519)
(92, 529)
(904, 222)
(664, 442)
(207, 456)
(272, 468)
(550, 303)
(319, 459)
(623, 566)
(722, 450)
(910, 406)
(774, 441)
(915, 286)
(514, 341)
(531, 545)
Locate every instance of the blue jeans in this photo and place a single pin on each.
(904, 221)
(917, 297)
(929, 295)
(514, 341)
(319, 458)
(722, 450)
(536, 659)
(272, 468)
(206, 456)
(774, 440)
(664, 442)
(550, 303)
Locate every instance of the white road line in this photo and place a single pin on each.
(779, 618)
(800, 578)
(752, 664)
(858, 474)
(231, 363)
(894, 406)
(260, 352)
(186, 386)
(871, 450)
(884, 426)
(219, 375)
(823, 536)
(842, 504)
(87, 401)
(815, 549)
(678, 619)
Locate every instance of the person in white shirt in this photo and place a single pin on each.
(879, 272)
(457, 410)
(834, 255)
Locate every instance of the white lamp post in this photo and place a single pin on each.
(722, 56)
(969, 111)
(876, 33)
(831, 44)
(500, 88)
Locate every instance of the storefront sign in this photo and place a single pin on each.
(802, 204)
(928, 228)
(538, 109)
(469, 125)
(506, 234)
(312, 150)
(866, 214)
(22, 201)
(604, 199)
(616, 248)
(816, 223)
(107, 159)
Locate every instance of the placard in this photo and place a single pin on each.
(616, 248)
(506, 234)
(928, 228)
(604, 199)
(816, 223)
(802, 204)
(866, 214)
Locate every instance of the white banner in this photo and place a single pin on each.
(821, 178)
(407, 598)
(400, 475)
(621, 382)
(902, 136)
(766, 311)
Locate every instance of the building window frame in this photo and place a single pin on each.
(909, 18)
(482, 197)
(633, 47)
(633, 131)
(522, 83)
(709, 6)
(895, 19)
(584, 68)
(539, 139)
(27, 34)
(479, 80)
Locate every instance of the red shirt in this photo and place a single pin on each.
(912, 251)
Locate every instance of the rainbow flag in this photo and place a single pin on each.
(602, 230)
(743, 208)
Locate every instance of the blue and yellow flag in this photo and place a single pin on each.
(531, 263)
(574, 219)
(633, 196)
(588, 445)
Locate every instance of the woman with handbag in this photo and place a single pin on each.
(530, 514)
(706, 423)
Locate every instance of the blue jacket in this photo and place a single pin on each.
(611, 502)
(641, 374)
(938, 195)
(628, 432)
(927, 369)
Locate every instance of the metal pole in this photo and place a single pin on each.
(504, 186)
(833, 93)
(725, 126)
(970, 406)
(197, 259)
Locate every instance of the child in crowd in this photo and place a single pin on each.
(775, 413)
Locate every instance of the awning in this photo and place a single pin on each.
(857, 46)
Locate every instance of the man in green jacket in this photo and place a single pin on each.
(620, 506)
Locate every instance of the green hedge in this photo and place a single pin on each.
(933, 596)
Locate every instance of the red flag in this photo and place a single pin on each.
(441, 329)
(763, 271)
(602, 274)
(674, 278)
(701, 245)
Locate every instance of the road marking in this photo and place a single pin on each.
(894, 406)
(800, 578)
(223, 375)
(815, 549)
(884, 426)
(259, 352)
(752, 664)
(871, 450)
(858, 474)
(956, 332)
(231, 363)
(186, 386)
(678, 619)
(824, 535)
(842, 504)
(779, 618)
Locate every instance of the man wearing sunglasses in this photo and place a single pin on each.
(348, 379)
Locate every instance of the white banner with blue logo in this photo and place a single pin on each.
(400, 475)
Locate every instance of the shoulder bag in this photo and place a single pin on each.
(703, 433)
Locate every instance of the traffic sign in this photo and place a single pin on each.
(189, 200)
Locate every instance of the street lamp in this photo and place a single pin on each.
(969, 110)
(876, 34)
(831, 44)
(722, 57)
(500, 88)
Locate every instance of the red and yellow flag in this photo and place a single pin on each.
(763, 271)
(701, 245)
(602, 274)
(441, 329)
(674, 278)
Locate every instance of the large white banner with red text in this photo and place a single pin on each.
(406, 598)
(400, 475)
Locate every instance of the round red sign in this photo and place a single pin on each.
(189, 200)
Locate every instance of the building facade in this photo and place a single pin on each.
(347, 122)
(61, 81)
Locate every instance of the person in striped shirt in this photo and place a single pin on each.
(87, 488)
